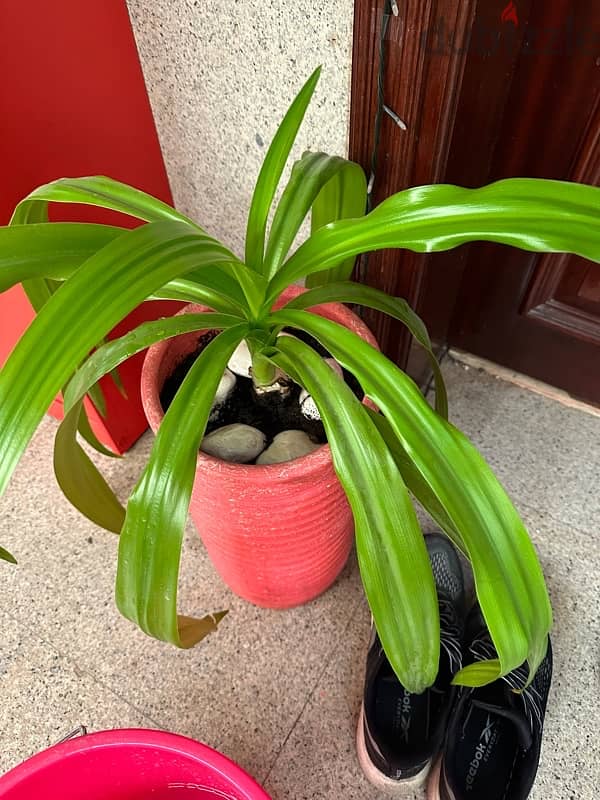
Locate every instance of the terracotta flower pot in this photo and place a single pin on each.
(278, 535)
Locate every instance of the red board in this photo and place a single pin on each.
(73, 102)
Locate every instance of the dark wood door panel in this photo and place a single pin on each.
(488, 89)
(541, 314)
(565, 294)
(422, 80)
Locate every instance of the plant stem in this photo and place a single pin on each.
(264, 372)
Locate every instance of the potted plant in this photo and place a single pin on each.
(383, 453)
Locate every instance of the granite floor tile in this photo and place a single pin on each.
(46, 695)
(279, 691)
(546, 455)
(571, 752)
(240, 690)
(318, 760)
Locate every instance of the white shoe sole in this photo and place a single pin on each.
(378, 779)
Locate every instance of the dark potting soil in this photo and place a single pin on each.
(270, 414)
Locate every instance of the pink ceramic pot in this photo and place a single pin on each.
(279, 535)
(129, 765)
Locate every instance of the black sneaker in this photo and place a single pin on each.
(400, 733)
(494, 734)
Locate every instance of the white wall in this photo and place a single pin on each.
(220, 75)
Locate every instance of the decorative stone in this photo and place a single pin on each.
(224, 389)
(308, 407)
(286, 446)
(241, 361)
(238, 443)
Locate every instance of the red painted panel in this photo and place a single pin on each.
(73, 102)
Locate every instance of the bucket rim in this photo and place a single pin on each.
(228, 770)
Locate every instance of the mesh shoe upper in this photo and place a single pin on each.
(494, 736)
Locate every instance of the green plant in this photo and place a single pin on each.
(85, 278)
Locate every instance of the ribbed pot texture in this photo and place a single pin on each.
(278, 535)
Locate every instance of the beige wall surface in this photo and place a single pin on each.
(220, 76)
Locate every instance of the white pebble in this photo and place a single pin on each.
(237, 442)
(225, 387)
(241, 360)
(286, 446)
(308, 407)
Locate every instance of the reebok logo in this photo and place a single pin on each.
(403, 714)
(487, 740)
(474, 765)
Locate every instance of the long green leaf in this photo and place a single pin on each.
(116, 351)
(270, 173)
(77, 475)
(348, 292)
(253, 285)
(217, 288)
(533, 214)
(150, 542)
(192, 292)
(97, 398)
(38, 290)
(344, 197)
(95, 190)
(49, 250)
(79, 479)
(508, 579)
(414, 481)
(392, 556)
(86, 431)
(97, 296)
(55, 251)
(334, 187)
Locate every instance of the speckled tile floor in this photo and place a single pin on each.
(279, 691)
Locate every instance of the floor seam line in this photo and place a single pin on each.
(80, 670)
(311, 693)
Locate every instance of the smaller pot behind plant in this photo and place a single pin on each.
(278, 535)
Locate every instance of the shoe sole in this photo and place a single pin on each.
(433, 784)
(377, 778)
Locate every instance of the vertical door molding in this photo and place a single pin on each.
(426, 51)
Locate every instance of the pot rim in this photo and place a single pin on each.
(297, 467)
(175, 743)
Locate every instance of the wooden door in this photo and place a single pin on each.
(516, 92)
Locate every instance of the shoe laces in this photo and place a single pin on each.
(483, 650)
(450, 634)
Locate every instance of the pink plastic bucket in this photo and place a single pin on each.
(129, 765)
